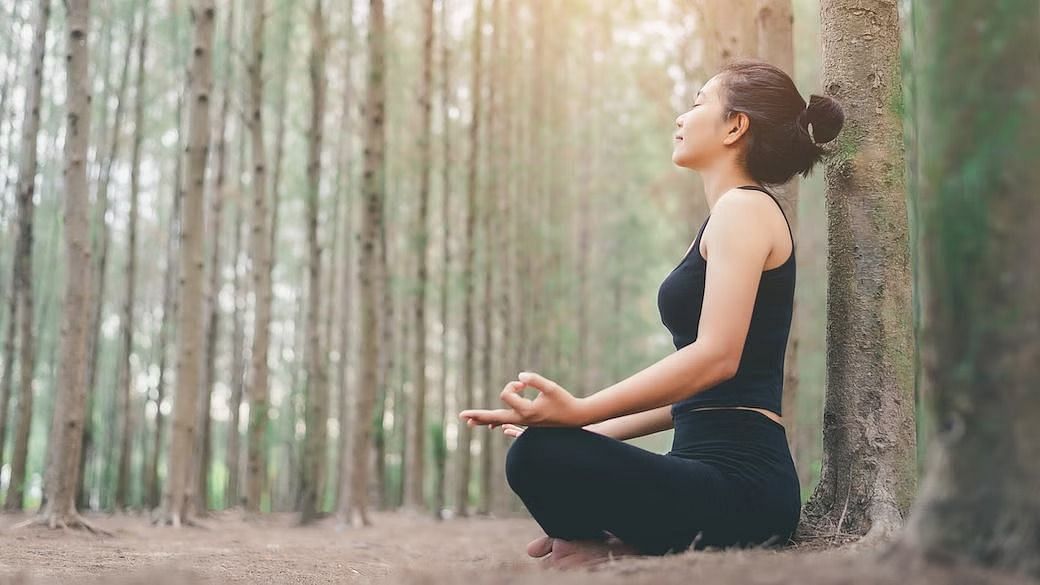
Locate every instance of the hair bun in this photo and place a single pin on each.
(825, 115)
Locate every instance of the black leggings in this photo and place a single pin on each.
(729, 480)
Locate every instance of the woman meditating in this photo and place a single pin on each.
(729, 478)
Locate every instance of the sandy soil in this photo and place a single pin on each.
(403, 548)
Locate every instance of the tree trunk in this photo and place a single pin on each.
(374, 192)
(347, 304)
(22, 295)
(415, 453)
(191, 268)
(260, 249)
(317, 411)
(867, 479)
(125, 386)
(234, 450)
(976, 217)
(466, 396)
(203, 438)
(67, 429)
(492, 247)
(440, 451)
(385, 359)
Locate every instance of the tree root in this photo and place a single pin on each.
(72, 520)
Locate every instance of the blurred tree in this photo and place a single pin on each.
(974, 105)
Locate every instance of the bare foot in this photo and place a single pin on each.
(568, 554)
(540, 546)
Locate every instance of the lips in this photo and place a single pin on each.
(677, 137)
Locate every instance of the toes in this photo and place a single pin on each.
(540, 547)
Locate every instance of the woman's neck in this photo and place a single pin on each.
(722, 178)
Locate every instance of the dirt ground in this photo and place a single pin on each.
(408, 549)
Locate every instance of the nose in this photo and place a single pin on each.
(678, 122)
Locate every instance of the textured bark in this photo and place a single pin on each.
(66, 436)
(260, 251)
(385, 360)
(440, 450)
(203, 438)
(975, 98)
(125, 383)
(191, 341)
(774, 20)
(867, 479)
(492, 248)
(22, 294)
(373, 192)
(317, 386)
(465, 394)
(415, 453)
(346, 301)
(234, 449)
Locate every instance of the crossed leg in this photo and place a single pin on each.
(582, 487)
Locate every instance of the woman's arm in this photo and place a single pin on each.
(635, 425)
(734, 268)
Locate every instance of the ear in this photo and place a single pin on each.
(738, 124)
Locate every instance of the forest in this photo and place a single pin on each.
(256, 255)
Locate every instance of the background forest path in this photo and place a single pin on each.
(401, 548)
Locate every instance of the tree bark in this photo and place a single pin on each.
(317, 387)
(868, 475)
(67, 429)
(203, 438)
(465, 394)
(191, 268)
(374, 192)
(260, 250)
(346, 302)
(976, 218)
(416, 450)
(22, 294)
(440, 450)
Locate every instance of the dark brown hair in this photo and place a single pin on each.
(779, 143)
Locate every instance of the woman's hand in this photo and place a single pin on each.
(553, 407)
(512, 430)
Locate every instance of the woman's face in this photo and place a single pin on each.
(702, 135)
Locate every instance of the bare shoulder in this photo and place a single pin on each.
(741, 215)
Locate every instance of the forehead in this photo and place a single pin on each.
(709, 88)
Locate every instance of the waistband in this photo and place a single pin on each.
(727, 424)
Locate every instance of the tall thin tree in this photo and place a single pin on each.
(373, 187)
(466, 394)
(317, 387)
(416, 450)
(66, 437)
(260, 252)
(203, 438)
(22, 294)
(192, 266)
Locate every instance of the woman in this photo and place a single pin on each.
(729, 479)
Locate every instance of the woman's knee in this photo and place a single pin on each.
(535, 454)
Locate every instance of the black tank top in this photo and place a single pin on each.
(760, 375)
